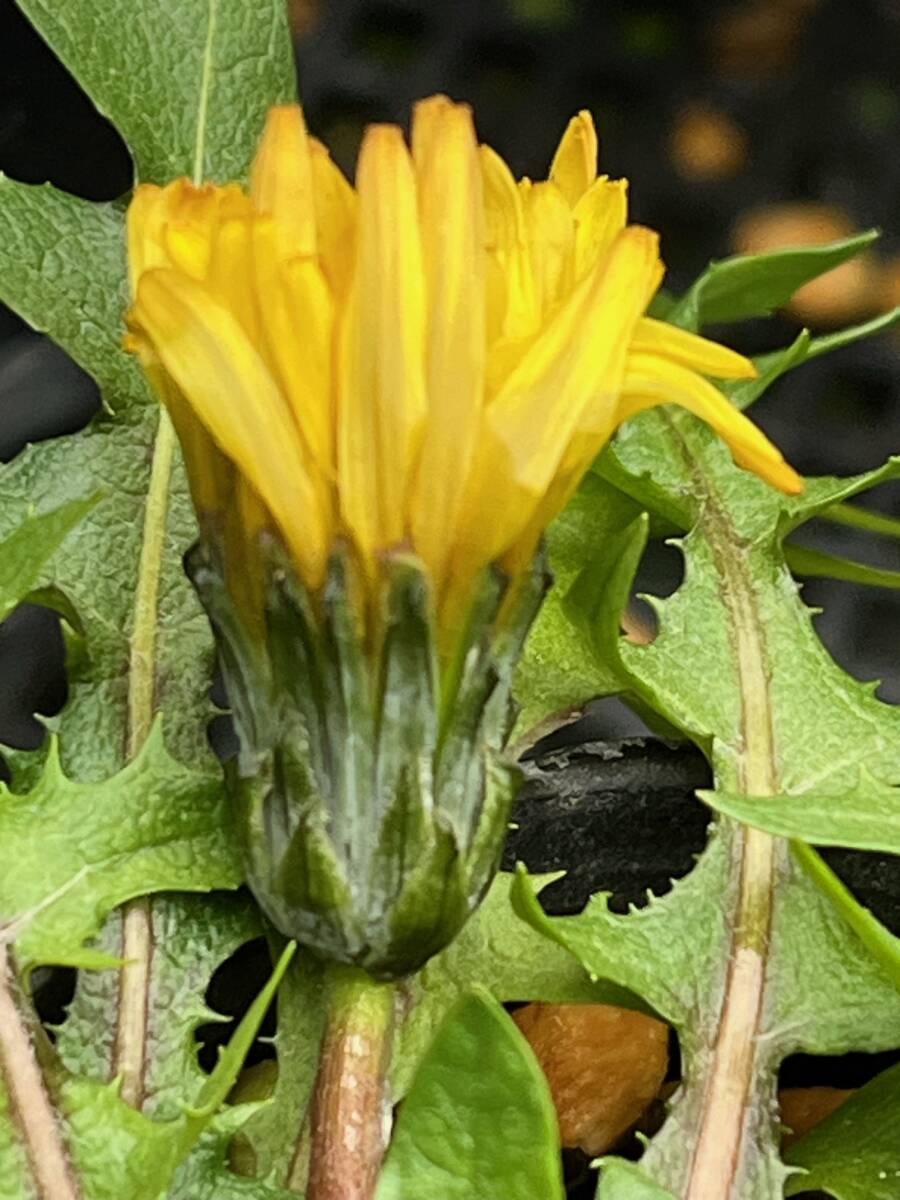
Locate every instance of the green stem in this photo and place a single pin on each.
(350, 1103)
(137, 916)
(856, 517)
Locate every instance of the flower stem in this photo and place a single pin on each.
(350, 1108)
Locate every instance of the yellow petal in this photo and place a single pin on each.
(188, 248)
(193, 217)
(381, 397)
(209, 358)
(281, 182)
(690, 350)
(451, 212)
(550, 233)
(651, 380)
(430, 118)
(221, 495)
(577, 364)
(576, 367)
(297, 338)
(564, 486)
(574, 166)
(512, 309)
(151, 208)
(336, 209)
(229, 276)
(176, 225)
(210, 475)
(600, 217)
(504, 355)
(223, 498)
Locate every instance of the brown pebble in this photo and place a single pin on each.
(803, 1108)
(604, 1066)
(638, 623)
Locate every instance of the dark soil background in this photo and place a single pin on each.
(720, 114)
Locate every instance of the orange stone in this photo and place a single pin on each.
(803, 1108)
(604, 1066)
(638, 623)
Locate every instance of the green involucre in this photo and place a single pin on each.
(370, 791)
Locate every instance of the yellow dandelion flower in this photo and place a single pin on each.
(431, 360)
(383, 394)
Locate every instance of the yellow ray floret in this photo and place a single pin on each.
(432, 359)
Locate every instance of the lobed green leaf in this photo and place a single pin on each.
(25, 553)
(754, 285)
(478, 1123)
(737, 666)
(73, 851)
(852, 1154)
(187, 82)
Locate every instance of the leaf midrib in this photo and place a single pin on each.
(720, 1148)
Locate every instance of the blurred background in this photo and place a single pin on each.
(742, 124)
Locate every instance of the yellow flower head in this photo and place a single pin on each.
(429, 361)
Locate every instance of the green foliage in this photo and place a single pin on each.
(199, 932)
(797, 747)
(861, 518)
(187, 82)
(117, 1151)
(559, 669)
(496, 952)
(563, 667)
(193, 99)
(863, 815)
(274, 1142)
(156, 826)
(96, 524)
(803, 349)
(81, 303)
(627, 1180)
(754, 285)
(804, 560)
(374, 857)
(25, 552)
(879, 941)
(144, 1154)
(478, 1123)
(190, 101)
(852, 1154)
